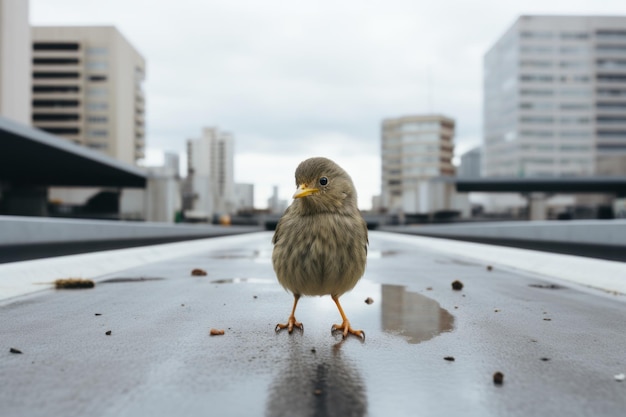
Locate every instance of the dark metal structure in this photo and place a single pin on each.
(32, 157)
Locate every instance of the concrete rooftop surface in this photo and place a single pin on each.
(139, 342)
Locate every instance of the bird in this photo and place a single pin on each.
(320, 241)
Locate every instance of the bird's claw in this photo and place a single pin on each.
(346, 329)
(291, 323)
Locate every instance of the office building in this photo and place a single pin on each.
(210, 188)
(414, 148)
(244, 198)
(471, 162)
(87, 87)
(15, 61)
(555, 98)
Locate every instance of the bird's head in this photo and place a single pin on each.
(323, 186)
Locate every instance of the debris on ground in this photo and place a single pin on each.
(216, 332)
(369, 300)
(498, 378)
(618, 377)
(429, 288)
(13, 350)
(457, 285)
(449, 358)
(108, 333)
(489, 267)
(73, 283)
(197, 272)
(545, 359)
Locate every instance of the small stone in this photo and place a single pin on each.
(449, 358)
(197, 272)
(216, 332)
(489, 268)
(369, 300)
(457, 285)
(13, 350)
(618, 377)
(108, 333)
(498, 378)
(545, 359)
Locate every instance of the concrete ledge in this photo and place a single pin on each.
(601, 232)
(18, 230)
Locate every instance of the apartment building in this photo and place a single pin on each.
(15, 62)
(555, 98)
(210, 187)
(87, 86)
(414, 148)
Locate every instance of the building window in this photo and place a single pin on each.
(96, 92)
(575, 120)
(612, 35)
(535, 64)
(537, 120)
(97, 78)
(98, 146)
(537, 78)
(97, 133)
(611, 92)
(97, 119)
(612, 49)
(56, 61)
(574, 36)
(56, 46)
(574, 50)
(536, 35)
(611, 120)
(536, 92)
(575, 134)
(46, 74)
(55, 103)
(97, 50)
(97, 65)
(61, 130)
(617, 105)
(55, 117)
(56, 89)
(575, 106)
(97, 105)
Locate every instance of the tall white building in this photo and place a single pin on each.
(87, 84)
(15, 61)
(555, 98)
(414, 148)
(210, 169)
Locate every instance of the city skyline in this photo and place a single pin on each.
(293, 81)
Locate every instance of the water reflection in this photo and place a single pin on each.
(317, 383)
(413, 315)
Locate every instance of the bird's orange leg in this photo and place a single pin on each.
(345, 326)
(291, 322)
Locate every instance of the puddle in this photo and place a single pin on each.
(412, 315)
(127, 279)
(243, 280)
(379, 254)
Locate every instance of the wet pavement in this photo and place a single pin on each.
(429, 350)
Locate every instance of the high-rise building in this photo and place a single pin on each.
(470, 166)
(414, 148)
(15, 61)
(88, 87)
(210, 186)
(555, 98)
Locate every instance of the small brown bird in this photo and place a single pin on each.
(320, 243)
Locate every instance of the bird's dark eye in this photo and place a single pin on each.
(323, 181)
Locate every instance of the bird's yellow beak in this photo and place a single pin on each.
(304, 191)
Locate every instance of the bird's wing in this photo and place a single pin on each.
(280, 221)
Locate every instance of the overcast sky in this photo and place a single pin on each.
(295, 79)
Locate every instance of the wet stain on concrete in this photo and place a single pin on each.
(547, 286)
(120, 280)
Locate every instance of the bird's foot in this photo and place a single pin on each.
(346, 329)
(291, 323)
